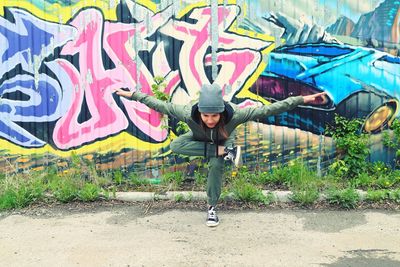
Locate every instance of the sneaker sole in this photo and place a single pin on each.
(238, 155)
(213, 224)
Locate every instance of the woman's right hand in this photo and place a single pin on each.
(124, 92)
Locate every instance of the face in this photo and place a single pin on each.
(210, 119)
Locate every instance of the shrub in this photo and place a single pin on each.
(89, 192)
(394, 140)
(352, 147)
(395, 195)
(179, 197)
(174, 179)
(385, 181)
(295, 175)
(247, 192)
(200, 179)
(305, 197)
(362, 180)
(135, 180)
(346, 198)
(19, 191)
(65, 189)
(377, 195)
(118, 177)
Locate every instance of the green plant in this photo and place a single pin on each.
(393, 141)
(244, 173)
(181, 127)
(345, 198)
(158, 88)
(295, 175)
(66, 189)
(225, 193)
(247, 192)
(200, 179)
(118, 177)
(395, 195)
(377, 195)
(174, 179)
(352, 147)
(179, 197)
(362, 180)
(264, 178)
(89, 192)
(305, 197)
(384, 182)
(135, 180)
(18, 191)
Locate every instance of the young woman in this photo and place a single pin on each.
(212, 122)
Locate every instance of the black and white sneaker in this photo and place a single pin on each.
(212, 218)
(233, 154)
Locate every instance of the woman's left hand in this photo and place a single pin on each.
(125, 93)
(311, 98)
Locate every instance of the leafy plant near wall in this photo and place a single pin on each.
(158, 90)
(346, 198)
(393, 141)
(352, 147)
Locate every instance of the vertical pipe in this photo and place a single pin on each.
(214, 38)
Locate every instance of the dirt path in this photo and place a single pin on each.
(136, 235)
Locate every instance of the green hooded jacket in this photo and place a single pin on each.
(233, 114)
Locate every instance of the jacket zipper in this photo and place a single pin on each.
(212, 136)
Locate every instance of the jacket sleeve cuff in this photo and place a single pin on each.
(135, 95)
(298, 100)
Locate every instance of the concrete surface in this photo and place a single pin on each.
(133, 235)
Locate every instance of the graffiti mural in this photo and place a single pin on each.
(60, 64)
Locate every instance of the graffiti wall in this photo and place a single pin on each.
(61, 62)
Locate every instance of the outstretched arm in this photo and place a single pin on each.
(177, 111)
(257, 113)
(311, 98)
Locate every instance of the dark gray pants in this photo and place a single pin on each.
(186, 145)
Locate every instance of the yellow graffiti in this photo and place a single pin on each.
(115, 143)
(56, 12)
(245, 92)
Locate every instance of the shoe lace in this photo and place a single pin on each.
(211, 214)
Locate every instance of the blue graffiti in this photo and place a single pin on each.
(22, 101)
(337, 69)
(25, 41)
(18, 135)
(41, 102)
(29, 38)
(30, 96)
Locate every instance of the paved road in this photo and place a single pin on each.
(133, 235)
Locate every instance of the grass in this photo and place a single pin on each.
(377, 195)
(305, 197)
(81, 182)
(245, 191)
(345, 198)
(18, 191)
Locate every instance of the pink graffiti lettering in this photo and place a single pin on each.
(92, 82)
(238, 57)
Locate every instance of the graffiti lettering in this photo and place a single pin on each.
(86, 82)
